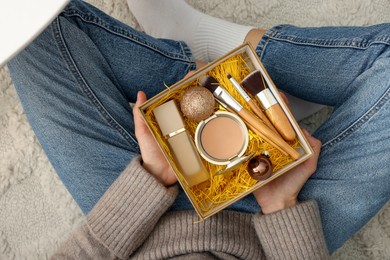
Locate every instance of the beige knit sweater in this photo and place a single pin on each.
(131, 221)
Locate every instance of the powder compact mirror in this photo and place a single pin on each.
(222, 139)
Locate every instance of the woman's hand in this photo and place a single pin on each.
(153, 159)
(283, 192)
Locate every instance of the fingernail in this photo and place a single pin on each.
(305, 131)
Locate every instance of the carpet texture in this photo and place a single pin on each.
(36, 211)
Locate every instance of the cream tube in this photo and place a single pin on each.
(180, 143)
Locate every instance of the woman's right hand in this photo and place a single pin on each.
(283, 192)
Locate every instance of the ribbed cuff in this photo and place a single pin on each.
(215, 37)
(294, 232)
(129, 210)
(180, 232)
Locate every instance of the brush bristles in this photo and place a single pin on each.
(253, 83)
(209, 82)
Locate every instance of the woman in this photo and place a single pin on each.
(75, 82)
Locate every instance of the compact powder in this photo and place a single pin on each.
(222, 138)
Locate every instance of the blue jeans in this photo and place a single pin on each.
(76, 80)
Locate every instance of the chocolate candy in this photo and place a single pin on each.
(260, 167)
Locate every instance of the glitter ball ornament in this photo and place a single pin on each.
(197, 103)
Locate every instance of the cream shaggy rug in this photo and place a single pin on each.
(37, 213)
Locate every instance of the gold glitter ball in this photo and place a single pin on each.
(197, 103)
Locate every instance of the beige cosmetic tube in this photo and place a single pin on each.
(180, 143)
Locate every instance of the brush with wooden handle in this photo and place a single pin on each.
(252, 104)
(220, 93)
(254, 84)
(254, 130)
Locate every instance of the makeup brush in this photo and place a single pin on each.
(254, 84)
(252, 104)
(220, 93)
(254, 130)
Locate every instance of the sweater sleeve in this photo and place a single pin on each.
(292, 233)
(122, 219)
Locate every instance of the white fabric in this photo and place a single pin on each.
(22, 20)
(208, 37)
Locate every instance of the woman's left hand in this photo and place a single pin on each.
(283, 192)
(153, 159)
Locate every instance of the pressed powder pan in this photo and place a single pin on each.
(222, 130)
(222, 139)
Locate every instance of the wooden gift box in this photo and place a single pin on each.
(223, 190)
